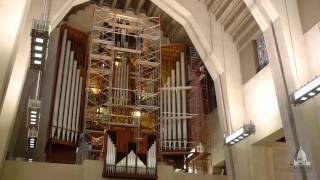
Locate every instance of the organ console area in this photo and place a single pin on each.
(124, 157)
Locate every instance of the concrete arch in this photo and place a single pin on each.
(201, 38)
(280, 22)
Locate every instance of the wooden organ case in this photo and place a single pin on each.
(66, 112)
(123, 87)
(124, 157)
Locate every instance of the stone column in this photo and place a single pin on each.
(281, 25)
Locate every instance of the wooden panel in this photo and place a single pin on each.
(169, 55)
(55, 152)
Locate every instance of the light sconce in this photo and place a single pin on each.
(32, 142)
(137, 114)
(240, 134)
(33, 122)
(308, 91)
(39, 43)
(33, 112)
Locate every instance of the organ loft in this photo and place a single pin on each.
(121, 94)
(159, 89)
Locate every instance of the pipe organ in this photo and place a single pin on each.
(115, 100)
(65, 123)
(123, 81)
(174, 110)
(124, 157)
(181, 110)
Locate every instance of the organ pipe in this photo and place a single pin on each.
(161, 118)
(179, 124)
(173, 110)
(127, 84)
(71, 103)
(173, 122)
(121, 82)
(169, 115)
(151, 159)
(66, 104)
(184, 101)
(63, 90)
(78, 109)
(117, 84)
(75, 103)
(164, 115)
(58, 88)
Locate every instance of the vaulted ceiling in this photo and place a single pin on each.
(170, 28)
(234, 16)
(236, 19)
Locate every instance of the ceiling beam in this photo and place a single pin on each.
(164, 17)
(168, 26)
(213, 4)
(150, 8)
(207, 2)
(156, 12)
(238, 24)
(231, 7)
(222, 7)
(179, 33)
(234, 14)
(139, 6)
(216, 5)
(253, 34)
(244, 28)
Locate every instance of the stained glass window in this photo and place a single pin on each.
(262, 52)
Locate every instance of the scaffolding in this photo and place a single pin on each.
(199, 105)
(123, 75)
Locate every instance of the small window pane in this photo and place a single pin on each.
(262, 53)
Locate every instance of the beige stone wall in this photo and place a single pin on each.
(89, 170)
(262, 106)
(216, 138)
(248, 61)
(309, 13)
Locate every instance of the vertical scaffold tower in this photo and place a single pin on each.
(199, 104)
(123, 75)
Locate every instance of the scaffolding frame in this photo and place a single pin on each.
(102, 107)
(199, 97)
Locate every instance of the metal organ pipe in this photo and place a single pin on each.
(151, 159)
(111, 155)
(164, 115)
(78, 109)
(117, 84)
(127, 84)
(71, 103)
(123, 69)
(179, 124)
(121, 82)
(173, 110)
(161, 118)
(67, 101)
(75, 103)
(153, 88)
(184, 101)
(63, 90)
(169, 115)
(58, 85)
